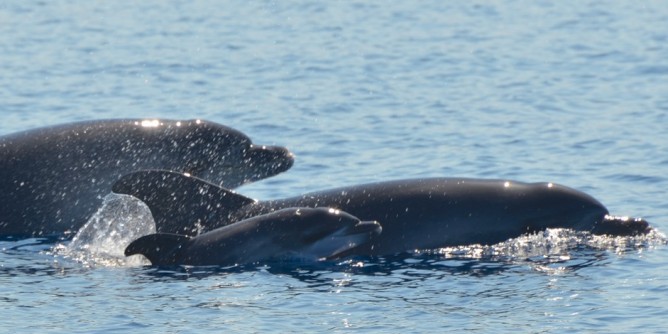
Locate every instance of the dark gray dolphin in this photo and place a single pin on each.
(52, 179)
(415, 214)
(309, 233)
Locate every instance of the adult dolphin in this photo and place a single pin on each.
(52, 179)
(304, 233)
(415, 214)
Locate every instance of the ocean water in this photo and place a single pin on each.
(573, 92)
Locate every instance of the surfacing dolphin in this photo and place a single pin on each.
(303, 233)
(415, 214)
(52, 179)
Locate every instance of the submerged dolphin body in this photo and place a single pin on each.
(53, 178)
(415, 214)
(310, 233)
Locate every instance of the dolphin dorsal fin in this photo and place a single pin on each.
(180, 203)
(159, 248)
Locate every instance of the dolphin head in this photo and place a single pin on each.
(214, 152)
(550, 205)
(263, 161)
(324, 233)
(554, 205)
(229, 159)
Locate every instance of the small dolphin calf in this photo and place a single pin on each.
(311, 233)
(415, 214)
(53, 179)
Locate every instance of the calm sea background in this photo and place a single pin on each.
(574, 92)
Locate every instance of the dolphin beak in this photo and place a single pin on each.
(275, 158)
(621, 226)
(344, 240)
(370, 228)
(271, 153)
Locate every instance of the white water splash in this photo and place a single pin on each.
(557, 244)
(102, 240)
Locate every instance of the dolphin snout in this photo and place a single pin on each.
(270, 153)
(369, 228)
(280, 158)
(621, 226)
(345, 239)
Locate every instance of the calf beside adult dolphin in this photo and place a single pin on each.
(415, 214)
(52, 179)
(310, 233)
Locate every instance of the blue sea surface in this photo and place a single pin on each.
(573, 92)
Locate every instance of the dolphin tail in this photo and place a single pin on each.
(180, 203)
(160, 248)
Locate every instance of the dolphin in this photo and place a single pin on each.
(304, 233)
(54, 178)
(424, 213)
